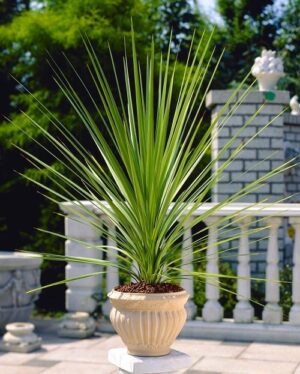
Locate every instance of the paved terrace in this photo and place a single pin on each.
(89, 356)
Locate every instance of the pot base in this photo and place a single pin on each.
(131, 364)
(137, 351)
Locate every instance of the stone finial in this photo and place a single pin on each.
(268, 69)
(295, 106)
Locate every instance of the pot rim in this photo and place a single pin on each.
(117, 295)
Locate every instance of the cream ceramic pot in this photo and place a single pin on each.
(148, 323)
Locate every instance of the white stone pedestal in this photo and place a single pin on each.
(20, 338)
(77, 325)
(128, 364)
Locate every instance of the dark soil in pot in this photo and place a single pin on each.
(142, 287)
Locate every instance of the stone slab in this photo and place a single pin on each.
(80, 368)
(13, 369)
(198, 349)
(240, 366)
(73, 343)
(89, 355)
(41, 363)
(175, 360)
(272, 352)
(11, 358)
(216, 97)
(297, 370)
(109, 342)
(75, 334)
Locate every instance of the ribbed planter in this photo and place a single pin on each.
(148, 323)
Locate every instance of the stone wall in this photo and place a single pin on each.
(292, 149)
(291, 177)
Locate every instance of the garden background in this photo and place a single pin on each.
(33, 32)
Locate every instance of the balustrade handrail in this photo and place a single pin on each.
(248, 209)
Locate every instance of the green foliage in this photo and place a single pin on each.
(287, 42)
(227, 299)
(248, 27)
(286, 276)
(11, 8)
(236, 12)
(26, 43)
(179, 19)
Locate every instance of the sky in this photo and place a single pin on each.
(208, 6)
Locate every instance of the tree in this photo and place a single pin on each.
(248, 27)
(181, 19)
(10, 8)
(287, 42)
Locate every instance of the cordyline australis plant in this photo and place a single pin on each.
(139, 172)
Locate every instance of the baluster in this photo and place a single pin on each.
(187, 264)
(79, 293)
(294, 316)
(243, 311)
(272, 312)
(112, 274)
(212, 310)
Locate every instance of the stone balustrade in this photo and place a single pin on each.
(245, 219)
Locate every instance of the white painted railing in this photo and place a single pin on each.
(79, 292)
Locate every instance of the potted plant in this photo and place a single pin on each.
(140, 177)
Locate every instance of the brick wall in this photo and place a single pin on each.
(292, 149)
(262, 154)
(291, 177)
